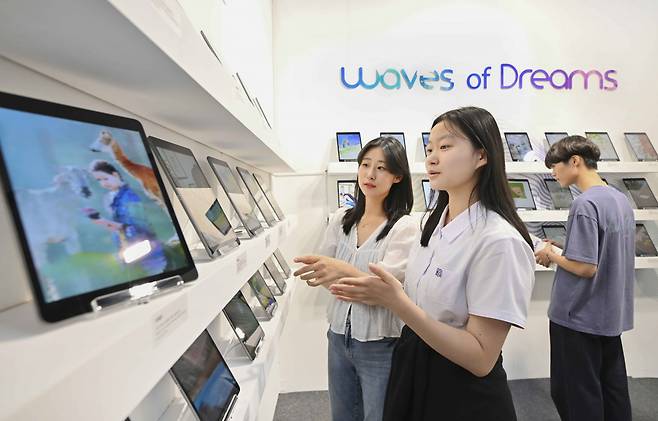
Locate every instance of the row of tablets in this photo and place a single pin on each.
(202, 373)
(644, 246)
(349, 144)
(561, 197)
(91, 212)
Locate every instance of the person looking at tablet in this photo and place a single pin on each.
(378, 229)
(468, 281)
(592, 298)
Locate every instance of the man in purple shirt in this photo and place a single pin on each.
(592, 297)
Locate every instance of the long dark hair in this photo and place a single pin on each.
(400, 199)
(492, 190)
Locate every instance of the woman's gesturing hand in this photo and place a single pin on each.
(380, 289)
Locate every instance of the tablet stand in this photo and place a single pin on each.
(139, 294)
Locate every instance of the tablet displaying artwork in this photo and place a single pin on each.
(263, 293)
(88, 204)
(349, 146)
(553, 137)
(641, 146)
(602, 140)
(196, 196)
(641, 193)
(242, 201)
(556, 233)
(205, 380)
(522, 194)
(560, 196)
(255, 191)
(244, 324)
(644, 247)
(346, 193)
(429, 194)
(270, 197)
(399, 136)
(282, 262)
(519, 145)
(426, 141)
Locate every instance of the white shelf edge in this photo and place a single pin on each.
(118, 348)
(418, 168)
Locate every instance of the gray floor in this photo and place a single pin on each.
(532, 400)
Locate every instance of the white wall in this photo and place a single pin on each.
(313, 39)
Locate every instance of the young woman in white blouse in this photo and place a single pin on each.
(377, 230)
(468, 280)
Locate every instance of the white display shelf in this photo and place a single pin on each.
(418, 168)
(640, 263)
(101, 368)
(561, 215)
(145, 57)
(342, 168)
(253, 376)
(628, 167)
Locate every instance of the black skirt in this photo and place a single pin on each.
(425, 386)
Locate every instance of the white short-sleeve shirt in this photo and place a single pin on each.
(478, 264)
(369, 323)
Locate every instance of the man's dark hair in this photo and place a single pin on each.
(563, 150)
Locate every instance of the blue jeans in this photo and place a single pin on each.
(358, 376)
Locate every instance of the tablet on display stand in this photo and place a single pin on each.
(197, 197)
(348, 145)
(399, 136)
(519, 146)
(90, 211)
(602, 140)
(522, 194)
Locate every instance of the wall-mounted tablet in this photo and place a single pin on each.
(263, 293)
(519, 145)
(244, 324)
(242, 201)
(270, 197)
(560, 196)
(399, 136)
(556, 233)
(429, 194)
(522, 194)
(426, 141)
(641, 146)
(196, 196)
(349, 146)
(602, 140)
(346, 193)
(276, 275)
(553, 137)
(205, 380)
(257, 194)
(89, 207)
(644, 247)
(282, 262)
(641, 193)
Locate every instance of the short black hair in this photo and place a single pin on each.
(563, 150)
(104, 166)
